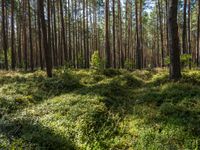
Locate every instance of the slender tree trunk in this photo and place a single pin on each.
(184, 36)
(45, 42)
(158, 40)
(84, 33)
(141, 33)
(138, 50)
(119, 39)
(12, 36)
(55, 36)
(63, 32)
(107, 35)
(161, 32)
(189, 32)
(30, 37)
(5, 43)
(40, 38)
(25, 35)
(87, 35)
(167, 35)
(19, 43)
(49, 29)
(198, 33)
(69, 32)
(175, 68)
(114, 50)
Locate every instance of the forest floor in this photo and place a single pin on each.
(114, 109)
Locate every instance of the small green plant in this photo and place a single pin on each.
(167, 60)
(96, 62)
(185, 59)
(128, 64)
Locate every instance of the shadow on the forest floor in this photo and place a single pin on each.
(34, 136)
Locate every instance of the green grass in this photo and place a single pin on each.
(114, 109)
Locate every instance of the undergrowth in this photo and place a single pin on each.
(108, 109)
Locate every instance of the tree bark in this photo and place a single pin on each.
(107, 35)
(30, 38)
(175, 68)
(5, 42)
(114, 50)
(13, 63)
(189, 32)
(45, 42)
(161, 32)
(198, 33)
(184, 36)
(138, 50)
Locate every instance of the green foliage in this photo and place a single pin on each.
(96, 62)
(128, 64)
(167, 60)
(184, 59)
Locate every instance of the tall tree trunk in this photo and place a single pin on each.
(49, 29)
(87, 35)
(167, 35)
(107, 35)
(19, 42)
(40, 38)
(114, 50)
(25, 35)
(13, 36)
(141, 32)
(161, 32)
(198, 33)
(55, 36)
(175, 68)
(84, 39)
(119, 39)
(138, 50)
(5, 42)
(45, 42)
(63, 33)
(184, 36)
(189, 32)
(69, 32)
(30, 37)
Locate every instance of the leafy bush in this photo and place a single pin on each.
(185, 59)
(128, 64)
(96, 62)
(192, 77)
